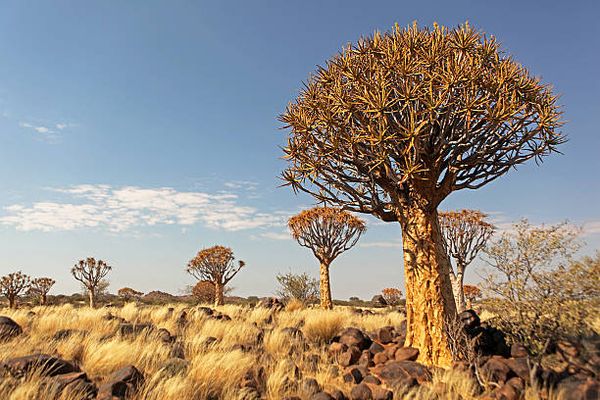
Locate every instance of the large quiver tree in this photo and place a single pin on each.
(217, 265)
(328, 232)
(91, 272)
(465, 233)
(392, 125)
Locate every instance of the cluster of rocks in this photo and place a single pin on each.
(272, 303)
(60, 376)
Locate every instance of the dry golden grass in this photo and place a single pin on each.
(209, 371)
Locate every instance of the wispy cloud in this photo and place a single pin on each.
(382, 244)
(276, 235)
(47, 132)
(120, 209)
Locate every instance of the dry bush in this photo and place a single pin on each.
(392, 296)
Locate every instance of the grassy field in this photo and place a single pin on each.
(254, 339)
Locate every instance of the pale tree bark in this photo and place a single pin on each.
(219, 298)
(429, 298)
(92, 296)
(325, 287)
(458, 291)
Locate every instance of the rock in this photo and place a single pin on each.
(403, 373)
(376, 348)
(355, 337)
(510, 391)
(406, 354)
(353, 375)
(380, 358)
(272, 303)
(71, 385)
(177, 351)
(9, 329)
(378, 300)
(380, 393)
(65, 334)
(312, 362)
(338, 395)
(182, 319)
(567, 349)
(349, 357)
(165, 336)
(336, 348)
(518, 350)
(121, 383)
(206, 311)
(366, 359)
(361, 392)
(386, 334)
(519, 367)
(310, 386)
(372, 380)
(321, 396)
(43, 364)
(470, 320)
(496, 370)
(575, 388)
(134, 329)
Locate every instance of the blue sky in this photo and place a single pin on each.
(140, 132)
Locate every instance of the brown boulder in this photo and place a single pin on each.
(43, 364)
(518, 350)
(406, 354)
(575, 388)
(121, 383)
(349, 357)
(380, 358)
(353, 375)
(386, 334)
(403, 373)
(9, 329)
(361, 392)
(355, 337)
(496, 370)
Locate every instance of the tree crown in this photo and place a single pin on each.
(415, 111)
(90, 272)
(14, 283)
(465, 233)
(327, 231)
(41, 285)
(215, 264)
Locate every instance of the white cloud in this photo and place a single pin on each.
(276, 235)
(120, 209)
(39, 129)
(591, 228)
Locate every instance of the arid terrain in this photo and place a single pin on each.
(236, 352)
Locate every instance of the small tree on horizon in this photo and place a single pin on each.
(392, 296)
(393, 124)
(91, 272)
(465, 233)
(328, 232)
(40, 287)
(215, 264)
(128, 293)
(12, 285)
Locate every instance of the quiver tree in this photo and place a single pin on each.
(392, 125)
(128, 293)
(12, 285)
(392, 296)
(328, 232)
(471, 293)
(217, 265)
(40, 287)
(91, 272)
(465, 233)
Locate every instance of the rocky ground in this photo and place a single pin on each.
(299, 361)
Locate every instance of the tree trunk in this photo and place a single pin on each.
(325, 287)
(43, 299)
(92, 295)
(12, 302)
(429, 299)
(219, 295)
(458, 291)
